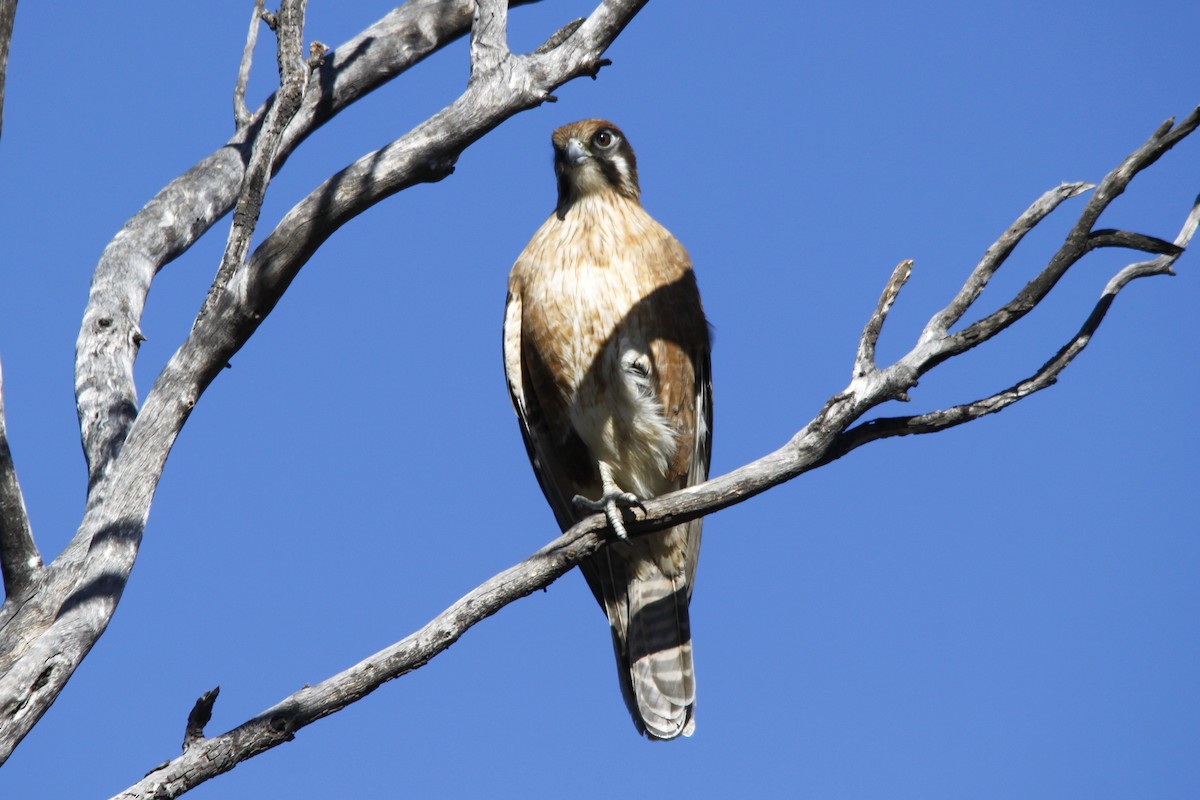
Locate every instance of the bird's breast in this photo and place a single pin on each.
(587, 278)
(590, 306)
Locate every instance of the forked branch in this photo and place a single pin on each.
(1045, 376)
(1078, 242)
(44, 641)
(192, 203)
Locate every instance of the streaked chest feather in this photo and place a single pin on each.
(582, 276)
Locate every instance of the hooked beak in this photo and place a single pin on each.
(576, 152)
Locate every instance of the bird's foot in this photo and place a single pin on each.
(611, 503)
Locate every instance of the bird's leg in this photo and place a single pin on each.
(610, 502)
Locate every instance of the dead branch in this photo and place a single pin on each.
(241, 114)
(1045, 376)
(109, 338)
(293, 80)
(42, 652)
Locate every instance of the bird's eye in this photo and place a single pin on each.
(604, 139)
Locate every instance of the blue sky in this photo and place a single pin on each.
(1007, 609)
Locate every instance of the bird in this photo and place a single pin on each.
(607, 357)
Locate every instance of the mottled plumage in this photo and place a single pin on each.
(606, 350)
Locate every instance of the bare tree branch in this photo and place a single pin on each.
(1045, 376)
(1077, 242)
(279, 723)
(172, 221)
(20, 563)
(241, 114)
(41, 643)
(38, 660)
(187, 207)
(8, 13)
(997, 253)
(293, 79)
(427, 153)
(827, 437)
(864, 361)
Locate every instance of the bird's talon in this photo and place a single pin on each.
(611, 504)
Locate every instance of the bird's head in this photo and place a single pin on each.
(592, 156)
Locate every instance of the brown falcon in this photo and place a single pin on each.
(606, 350)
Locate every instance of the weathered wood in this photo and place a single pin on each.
(47, 638)
(293, 80)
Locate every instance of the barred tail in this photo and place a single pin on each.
(657, 676)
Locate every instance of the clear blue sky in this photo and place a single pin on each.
(1008, 609)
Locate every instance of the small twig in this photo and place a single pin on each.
(1115, 182)
(1163, 264)
(293, 79)
(20, 562)
(241, 114)
(199, 716)
(864, 362)
(1132, 241)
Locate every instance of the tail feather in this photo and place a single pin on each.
(648, 614)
